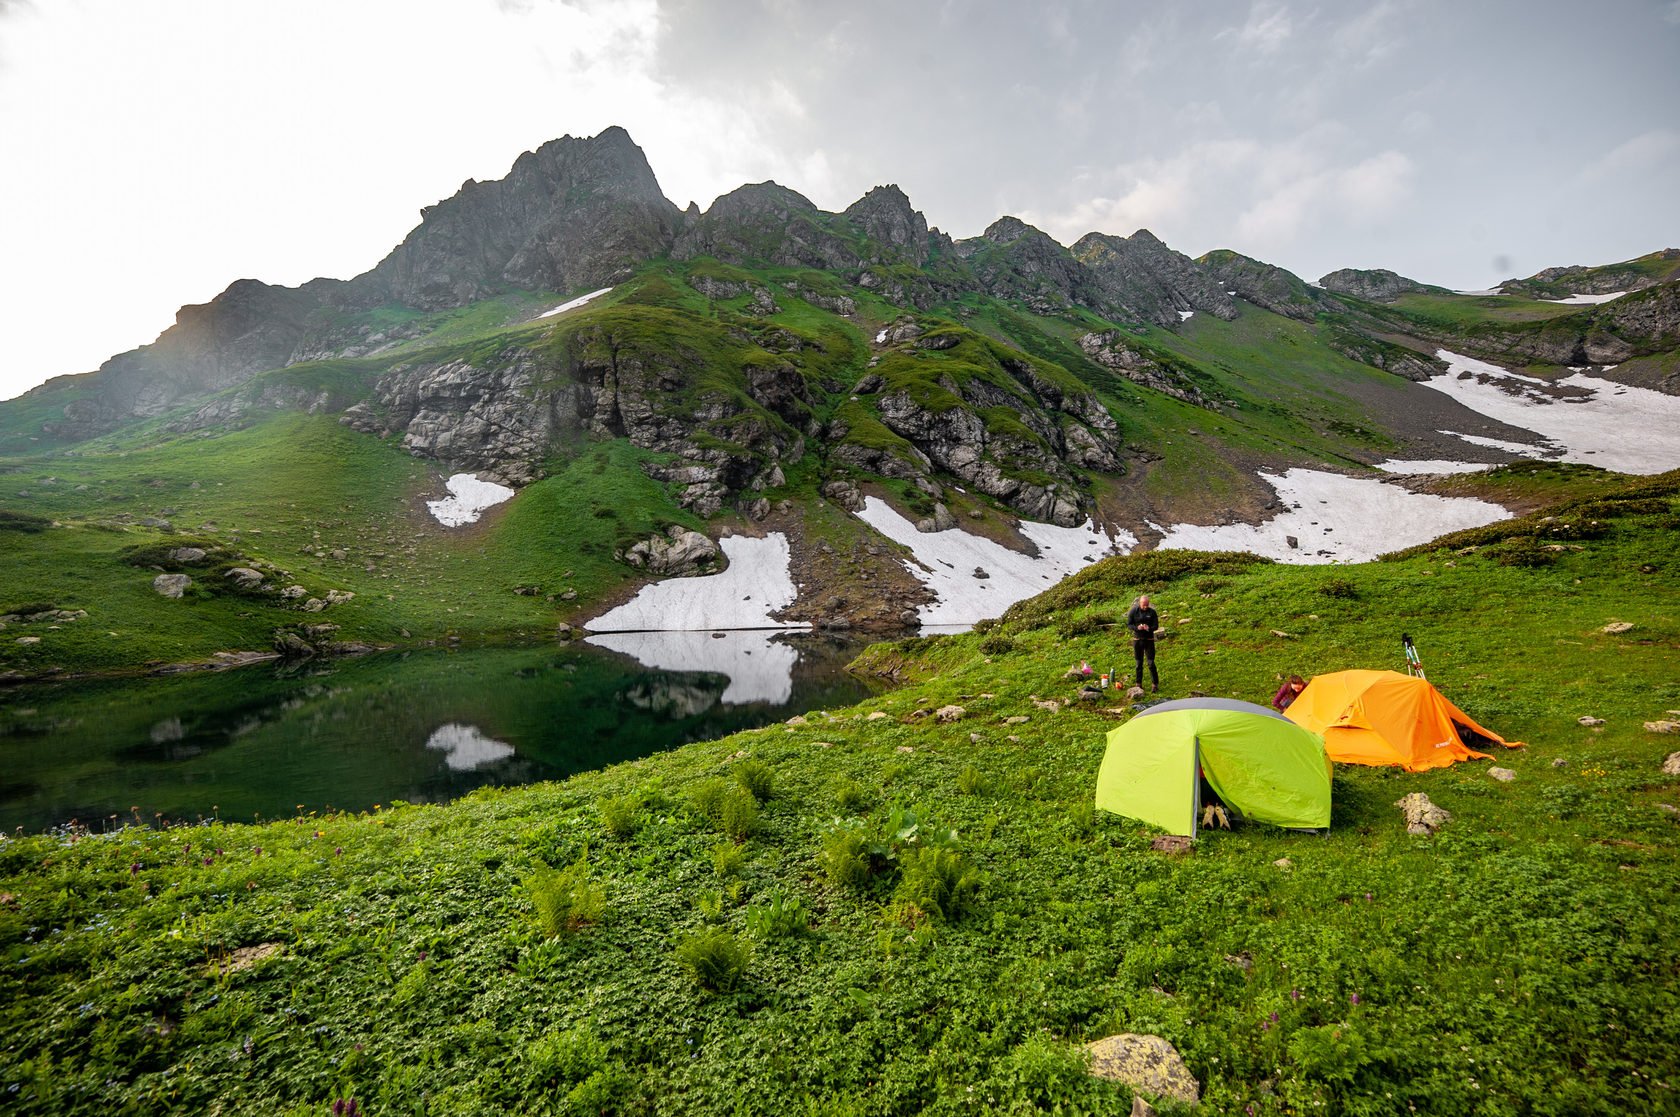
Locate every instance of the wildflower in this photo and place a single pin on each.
(1353, 1000)
(1274, 1017)
(1294, 994)
(1367, 897)
(338, 851)
(134, 868)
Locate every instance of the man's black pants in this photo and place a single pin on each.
(1140, 650)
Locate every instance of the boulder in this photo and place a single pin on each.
(1671, 766)
(1616, 628)
(186, 556)
(339, 597)
(171, 585)
(1146, 1063)
(950, 713)
(941, 520)
(1422, 816)
(1662, 727)
(1589, 720)
(244, 577)
(293, 592)
(677, 553)
(1503, 775)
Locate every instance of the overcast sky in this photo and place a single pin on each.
(155, 151)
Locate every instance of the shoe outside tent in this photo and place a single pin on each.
(1386, 718)
(1260, 763)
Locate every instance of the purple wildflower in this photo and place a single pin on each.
(1353, 1000)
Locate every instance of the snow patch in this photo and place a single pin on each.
(945, 562)
(1525, 449)
(575, 303)
(759, 668)
(1596, 422)
(470, 496)
(1587, 300)
(1184, 315)
(755, 584)
(465, 747)
(1489, 291)
(1410, 468)
(880, 337)
(1338, 519)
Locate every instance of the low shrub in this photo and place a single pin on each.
(848, 795)
(937, 882)
(997, 645)
(1338, 588)
(756, 778)
(1524, 551)
(1084, 625)
(565, 899)
(716, 959)
(26, 522)
(621, 815)
(971, 781)
(727, 859)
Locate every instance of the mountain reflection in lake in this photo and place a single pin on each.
(427, 726)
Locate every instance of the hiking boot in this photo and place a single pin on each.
(1154, 688)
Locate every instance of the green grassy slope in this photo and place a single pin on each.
(856, 958)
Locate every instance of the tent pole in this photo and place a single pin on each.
(1196, 785)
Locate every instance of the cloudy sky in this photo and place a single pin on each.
(156, 150)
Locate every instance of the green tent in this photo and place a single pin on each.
(1255, 760)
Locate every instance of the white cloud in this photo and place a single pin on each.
(1639, 154)
(1266, 31)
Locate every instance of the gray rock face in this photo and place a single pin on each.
(885, 216)
(1143, 278)
(186, 556)
(1557, 283)
(770, 224)
(1110, 349)
(171, 585)
(1013, 260)
(1264, 285)
(245, 578)
(575, 212)
(1376, 285)
(678, 553)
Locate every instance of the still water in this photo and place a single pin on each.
(425, 726)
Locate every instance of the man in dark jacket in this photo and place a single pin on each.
(1144, 622)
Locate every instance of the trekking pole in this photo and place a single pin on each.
(1414, 666)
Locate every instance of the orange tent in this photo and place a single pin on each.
(1384, 717)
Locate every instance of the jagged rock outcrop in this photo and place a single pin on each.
(1111, 349)
(886, 218)
(1144, 279)
(1266, 285)
(766, 223)
(1375, 285)
(575, 212)
(1560, 283)
(1013, 260)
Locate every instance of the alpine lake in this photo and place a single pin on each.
(280, 739)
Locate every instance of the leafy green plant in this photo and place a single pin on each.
(716, 959)
(621, 815)
(727, 859)
(565, 899)
(971, 781)
(783, 917)
(937, 882)
(756, 777)
(1340, 588)
(848, 794)
(845, 857)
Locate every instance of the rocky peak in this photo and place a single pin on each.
(1013, 260)
(1141, 276)
(1265, 285)
(766, 223)
(1007, 230)
(1377, 285)
(574, 212)
(885, 216)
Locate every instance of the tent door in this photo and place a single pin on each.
(1196, 782)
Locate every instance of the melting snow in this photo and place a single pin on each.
(1587, 300)
(1601, 422)
(1395, 465)
(759, 669)
(575, 303)
(470, 497)
(465, 747)
(880, 337)
(755, 584)
(1184, 315)
(1489, 291)
(1338, 519)
(1526, 449)
(946, 562)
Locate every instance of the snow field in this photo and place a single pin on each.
(755, 584)
(575, 303)
(469, 496)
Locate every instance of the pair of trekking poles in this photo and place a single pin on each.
(1414, 666)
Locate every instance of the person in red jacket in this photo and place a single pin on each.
(1287, 692)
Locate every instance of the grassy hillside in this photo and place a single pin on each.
(895, 913)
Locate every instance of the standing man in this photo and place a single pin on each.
(1144, 623)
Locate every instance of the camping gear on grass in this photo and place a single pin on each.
(1414, 665)
(1384, 717)
(1257, 762)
